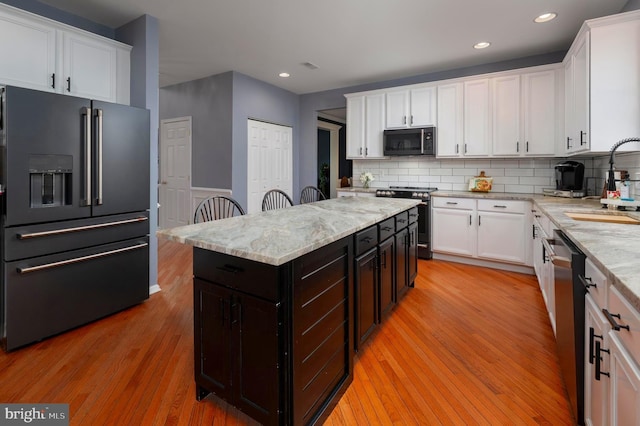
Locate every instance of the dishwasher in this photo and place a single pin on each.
(568, 266)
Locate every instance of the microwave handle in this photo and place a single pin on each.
(422, 141)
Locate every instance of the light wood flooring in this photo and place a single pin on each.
(466, 346)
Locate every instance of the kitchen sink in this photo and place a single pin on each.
(605, 217)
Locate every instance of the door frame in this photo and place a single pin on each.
(334, 165)
(161, 172)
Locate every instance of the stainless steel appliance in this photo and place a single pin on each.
(568, 267)
(74, 226)
(560, 193)
(418, 141)
(424, 213)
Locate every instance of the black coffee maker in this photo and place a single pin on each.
(569, 176)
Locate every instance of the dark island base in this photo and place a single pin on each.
(278, 342)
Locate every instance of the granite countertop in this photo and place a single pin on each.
(612, 247)
(357, 189)
(279, 236)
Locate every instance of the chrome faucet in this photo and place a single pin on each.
(611, 186)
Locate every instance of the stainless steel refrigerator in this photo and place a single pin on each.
(74, 187)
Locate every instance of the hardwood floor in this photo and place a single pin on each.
(466, 346)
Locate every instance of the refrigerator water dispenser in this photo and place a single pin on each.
(50, 180)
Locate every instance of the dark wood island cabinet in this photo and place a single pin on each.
(275, 337)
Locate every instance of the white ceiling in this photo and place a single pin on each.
(352, 42)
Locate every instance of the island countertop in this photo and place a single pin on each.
(278, 236)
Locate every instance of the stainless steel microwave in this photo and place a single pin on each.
(417, 141)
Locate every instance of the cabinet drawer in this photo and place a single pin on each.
(402, 220)
(413, 215)
(386, 228)
(503, 206)
(454, 203)
(245, 275)
(628, 317)
(366, 239)
(597, 283)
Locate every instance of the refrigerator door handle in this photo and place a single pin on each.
(99, 156)
(78, 259)
(87, 157)
(79, 228)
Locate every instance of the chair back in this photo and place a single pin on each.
(217, 207)
(310, 194)
(276, 199)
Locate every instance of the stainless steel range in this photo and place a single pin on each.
(424, 220)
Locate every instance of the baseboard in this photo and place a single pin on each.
(154, 289)
(523, 269)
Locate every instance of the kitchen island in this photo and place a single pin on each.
(274, 321)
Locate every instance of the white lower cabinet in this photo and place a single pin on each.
(612, 354)
(541, 230)
(496, 230)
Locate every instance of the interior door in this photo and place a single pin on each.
(121, 171)
(45, 167)
(175, 172)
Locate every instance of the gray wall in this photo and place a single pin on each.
(631, 5)
(209, 102)
(258, 100)
(142, 34)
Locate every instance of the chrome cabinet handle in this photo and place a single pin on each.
(99, 155)
(87, 157)
(79, 228)
(78, 259)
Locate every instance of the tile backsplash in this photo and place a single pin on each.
(524, 175)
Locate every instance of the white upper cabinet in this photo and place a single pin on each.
(411, 108)
(365, 125)
(525, 114)
(450, 127)
(602, 86)
(28, 49)
(89, 67)
(506, 115)
(477, 123)
(42, 54)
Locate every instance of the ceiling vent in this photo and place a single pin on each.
(310, 65)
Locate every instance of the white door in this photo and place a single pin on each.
(175, 172)
(476, 118)
(269, 161)
(423, 107)
(506, 116)
(449, 130)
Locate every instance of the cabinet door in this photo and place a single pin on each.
(502, 236)
(596, 388)
(477, 122)
(454, 231)
(412, 254)
(397, 104)
(625, 385)
(366, 294)
(386, 252)
(212, 338)
(89, 67)
(374, 126)
(506, 116)
(402, 272)
(449, 137)
(355, 127)
(423, 107)
(581, 97)
(540, 113)
(567, 142)
(256, 356)
(28, 53)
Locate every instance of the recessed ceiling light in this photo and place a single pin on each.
(284, 74)
(545, 17)
(482, 45)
